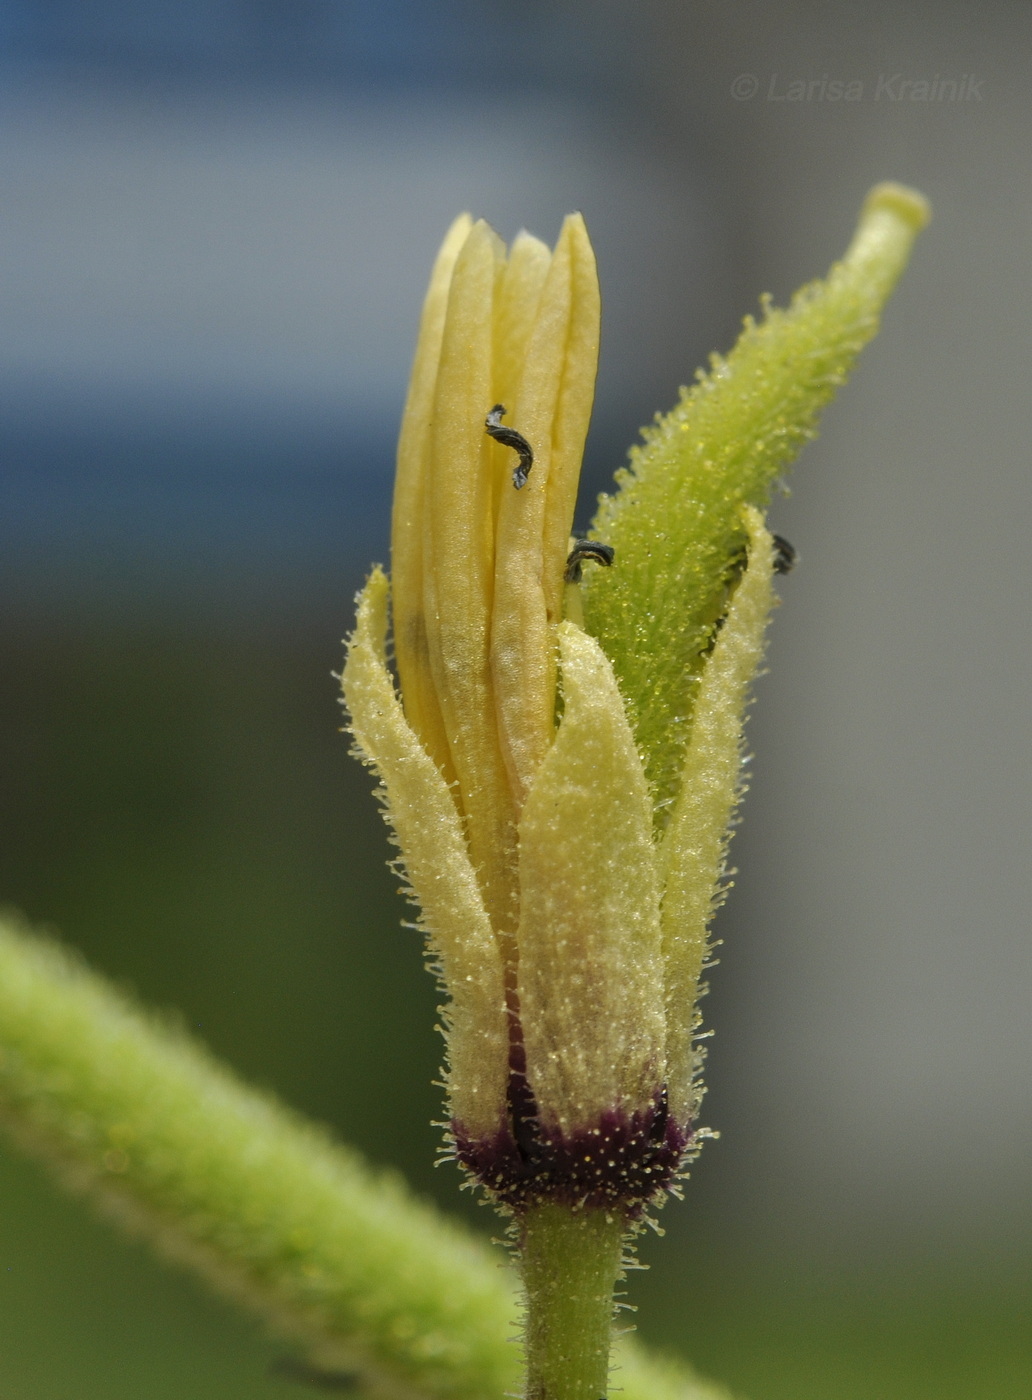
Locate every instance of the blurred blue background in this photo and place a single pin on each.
(216, 226)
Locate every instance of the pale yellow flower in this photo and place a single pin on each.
(570, 937)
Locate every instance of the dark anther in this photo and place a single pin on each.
(292, 1368)
(509, 437)
(785, 555)
(586, 549)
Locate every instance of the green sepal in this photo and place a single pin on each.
(675, 522)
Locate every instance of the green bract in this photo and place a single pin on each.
(674, 521)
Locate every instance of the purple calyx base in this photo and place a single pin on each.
(621, 1160)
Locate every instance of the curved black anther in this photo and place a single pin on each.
(509, 437)
(586, 549)
(786, 556)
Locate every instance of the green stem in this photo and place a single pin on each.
(570, 1261)
(129, 1111)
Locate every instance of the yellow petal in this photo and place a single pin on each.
(519, 295)
(590, 972)
(573, 410)
(420, 809)
(410, 644)
(694, 845)
(458, 567)
(550, 406)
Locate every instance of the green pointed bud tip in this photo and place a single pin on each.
(909, 205)
(675, 521)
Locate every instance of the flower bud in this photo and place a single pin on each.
(562, 819)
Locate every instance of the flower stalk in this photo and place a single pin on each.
(570, 1262)
(338, 1260)
(562, 764)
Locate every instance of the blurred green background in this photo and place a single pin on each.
(217, 226)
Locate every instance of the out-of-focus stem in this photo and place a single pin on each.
(128, 1110)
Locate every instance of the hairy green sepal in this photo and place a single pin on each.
(675, 521)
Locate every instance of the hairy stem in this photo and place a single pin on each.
(570, 1261)
(129, 1111)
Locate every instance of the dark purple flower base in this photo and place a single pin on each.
(623, 1160)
